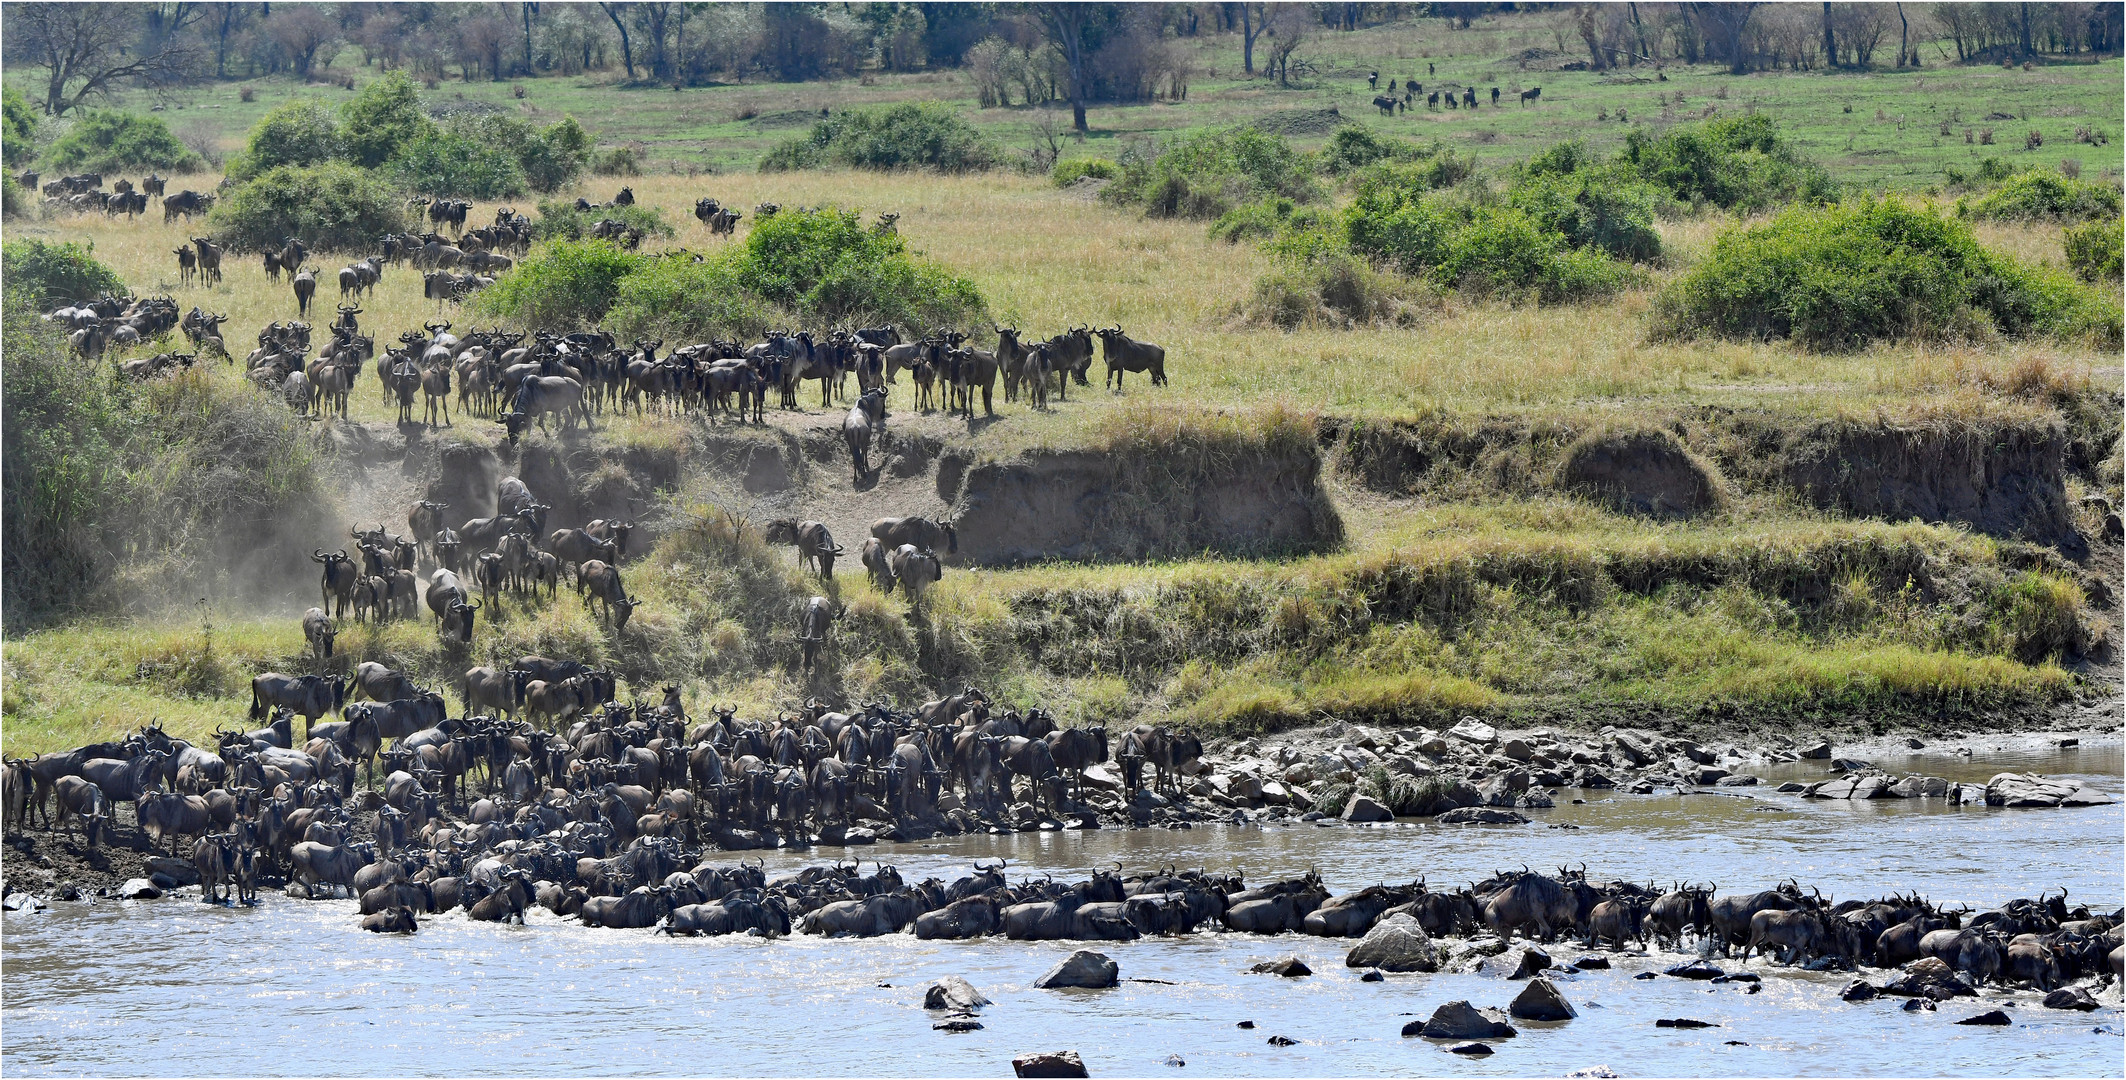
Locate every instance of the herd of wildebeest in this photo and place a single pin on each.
(518, 379)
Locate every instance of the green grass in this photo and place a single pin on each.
(1875, 128)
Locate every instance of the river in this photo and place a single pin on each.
(178, 988)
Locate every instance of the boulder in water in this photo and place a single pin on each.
(1396, 943)
(1084, 968)
(1461, 1020)
(1291, 967)
(953, 992)
(1532, 960)
(1060, 1065)
(1540, 1000)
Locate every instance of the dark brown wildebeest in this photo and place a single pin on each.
(1531, 95)
(614, 530)
(309, 696)
(305, 288)
(920, 531)
(602, 580)
(379, 683)
(425, 520)
(486, 688)
(338, 580)
(816, 548)
(873, 555)
(84, 801)
(813, 621)
(122, 780)
(1124, 354)
(577, 546)
(165, 816)
(867, 421)
(187, 265)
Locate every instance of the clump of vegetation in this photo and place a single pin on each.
(1737, 162)
(1206, 174)
(13, 199)
(382, 119)
(45, 275)
(1338, 290)
(1071, 170)
(923, 135)
(333, 207)
(1475, 247)
(549, 158)
(1593, 206)
(825, 264)
(108, 140)
(1842, 276)
(299, 133)
(684, 300)
(2094, 250)
(2035, 196)
(1354, 147)
(18, 129)
(563, 285)
(448, 164)
(119, 494)
(560, 220)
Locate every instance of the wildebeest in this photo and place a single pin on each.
(85, 802)
(577, 547)
(165, 816)
(601, 581)
(308, 696)
(866, 421)
(318, 632)
(305, 288)
(920, 531)
(379, 683)
(1123, 354)
(338, 579)
(813, 621)
(873, 556)
(816, 548)
(1531, 95)
(915, 569)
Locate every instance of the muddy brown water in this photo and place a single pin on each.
(173, 987)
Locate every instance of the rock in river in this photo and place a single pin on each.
(1363, 809)
(1540, 1000)
(1291, 967)
(1532, 961)
(1061, 1065)
(953, 992)
(1396, 943)
(1480, 815)
(1461, 1020)
(1084, 968)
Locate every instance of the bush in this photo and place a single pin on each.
(560, 220)
(2033, 196)
(1593, 208)
(619, 161)
(2093, 250)
(332, 207)
(13, 200)
(1485, 249)
(1338, 291)
(824, 264)
(550, 159)
(447, 164)
(47, 275)
(300, 133)
(18, 129)
(1354, 147)
(1206, 174)
(1070, 170)
(1733, 163)
(563, 284)
(61, 419)
(684, 300)
(1840, 277)
(107, 140)
(382, 119)
(923, 135)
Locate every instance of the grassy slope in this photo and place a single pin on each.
(1046, 259)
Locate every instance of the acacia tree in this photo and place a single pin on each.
(90, 49)
(1066, 24)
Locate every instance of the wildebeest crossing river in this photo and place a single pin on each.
(174, 987)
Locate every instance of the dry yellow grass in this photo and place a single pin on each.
(1047, 259)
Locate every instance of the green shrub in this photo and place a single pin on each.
(61, 420)
(562, 285)
(1070, 170)
(1842, 276)
(619, 161)
(560, 220)
(684, 300)
(1206, 174)
(1593, 208)
(1993, 170)
(2033, 196)
(1430, 173)
(447, 164)
(383, 118)
(825, 264)
(13, 200)
(301, 133)
(1480, 248)
(2093, 250)
(1734, 163)
(107, 140)
(47, 275)
(332, 207)
(1259, 220)
(18, 129)
(1353, 147)
(924, 135)
(550, 158)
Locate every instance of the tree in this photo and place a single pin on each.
(18, 136)
(1288, 31)
(303, 31)
(383, 117)
(1066, 24)
(1830, 38)
(229, 19)
(1726, 23)
(1254, 19)
(88, 49)
(627, 49)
